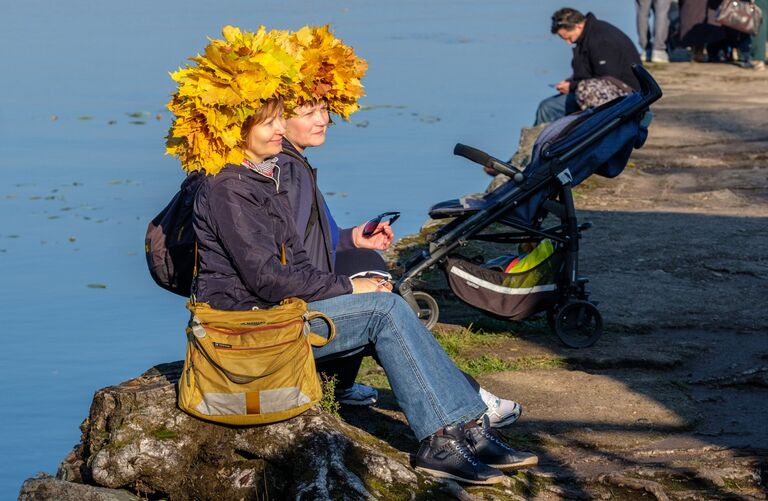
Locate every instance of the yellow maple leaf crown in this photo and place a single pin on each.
(237, 75)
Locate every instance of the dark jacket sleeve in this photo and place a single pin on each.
(345, 240)
(247, 230)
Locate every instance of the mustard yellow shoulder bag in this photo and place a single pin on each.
(251, 367)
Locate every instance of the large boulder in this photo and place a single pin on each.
(135, 438)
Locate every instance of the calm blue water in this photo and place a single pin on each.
(79, 309)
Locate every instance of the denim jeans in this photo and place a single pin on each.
(660, 23)
(428, 387)
(552, 108)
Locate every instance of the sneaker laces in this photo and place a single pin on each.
(462, 449)
(490, 436)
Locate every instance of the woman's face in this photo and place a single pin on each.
(307, 127)
(265, 139)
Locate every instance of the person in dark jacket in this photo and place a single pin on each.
(601, 50)
(699, 28)
(323, 240)
(250, 254)
(329, 246)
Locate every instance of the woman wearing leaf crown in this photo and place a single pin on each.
(229, 122)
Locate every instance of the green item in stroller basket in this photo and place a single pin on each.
(535, 257)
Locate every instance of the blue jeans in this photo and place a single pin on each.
(660, 10)
(428, 387)
(556, 107)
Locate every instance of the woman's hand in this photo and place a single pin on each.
(380, 240)
(362, 285)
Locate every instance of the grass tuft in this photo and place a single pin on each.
(328, 401)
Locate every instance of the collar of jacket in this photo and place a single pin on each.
(588, 22)
(242, 170)
(287, 145)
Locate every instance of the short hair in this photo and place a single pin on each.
(271, 108)
(566, 18)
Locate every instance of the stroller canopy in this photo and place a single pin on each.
(575, 146)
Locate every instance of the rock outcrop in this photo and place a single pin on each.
(137, 440)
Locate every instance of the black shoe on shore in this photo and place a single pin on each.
(446, 454)
(485, 445)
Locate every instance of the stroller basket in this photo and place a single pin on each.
(515, 296)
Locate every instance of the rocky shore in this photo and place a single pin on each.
(669, 404)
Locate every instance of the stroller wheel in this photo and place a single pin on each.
(578, 324)
(428, 309)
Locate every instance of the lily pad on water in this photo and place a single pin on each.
(72, 239)
(138, 114)
(138, 122)
(382, 106)
(96, 286)
(362, 124)
(86, 117)
(429, 119)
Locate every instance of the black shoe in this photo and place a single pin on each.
(445, 454)
(486, 446)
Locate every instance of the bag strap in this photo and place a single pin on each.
(316, 339)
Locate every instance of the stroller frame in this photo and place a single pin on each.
(575, 319)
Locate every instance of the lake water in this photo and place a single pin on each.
(82, 123)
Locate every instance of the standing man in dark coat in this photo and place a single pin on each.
(601, 50)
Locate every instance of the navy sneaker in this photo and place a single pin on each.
(446, 454)
(357, 394)
(485, 445)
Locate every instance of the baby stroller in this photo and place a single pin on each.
(595, 141)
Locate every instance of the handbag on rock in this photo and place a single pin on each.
(251, 367)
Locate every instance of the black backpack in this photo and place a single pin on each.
(170, 240)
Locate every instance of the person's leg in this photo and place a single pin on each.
(345, 369)
(744, 44)
(660, 24)
(758, 42)
(551, 109)
(643, 11)
(571, 104)
(429, 388)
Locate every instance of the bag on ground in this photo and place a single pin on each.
(251, 367)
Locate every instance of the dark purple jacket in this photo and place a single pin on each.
(242, 223)
(324, 238)
(604, 50)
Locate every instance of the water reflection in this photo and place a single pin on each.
(82, 127)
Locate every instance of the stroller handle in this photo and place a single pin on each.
(649, 89)
(484, 159)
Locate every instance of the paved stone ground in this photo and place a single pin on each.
(671, 402)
